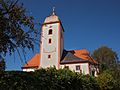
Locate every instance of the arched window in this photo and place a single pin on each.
(49, 41)
(49, 56)
(50, 32)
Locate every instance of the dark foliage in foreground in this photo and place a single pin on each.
(52, 79)
(18, 30)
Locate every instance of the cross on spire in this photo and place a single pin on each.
(53, 12)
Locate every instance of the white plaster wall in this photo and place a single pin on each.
(29, 70)
(49, 49)
(83, 66)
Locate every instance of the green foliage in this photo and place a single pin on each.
(106, 81)
(53, 79)
(89, 83)
(106, 58)
(115, 72)
(109, 77)
(16, 27)
(2, 65)
(47, 79)
(16, 81)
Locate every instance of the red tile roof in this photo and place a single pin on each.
(33, 63)
(84, 54)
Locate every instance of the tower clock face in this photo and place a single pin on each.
(50, 50)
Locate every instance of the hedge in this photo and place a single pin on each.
(48, 79)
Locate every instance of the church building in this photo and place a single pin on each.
(52, 52)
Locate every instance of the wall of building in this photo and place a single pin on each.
(84, 67)
(49, 49)
(29, 70)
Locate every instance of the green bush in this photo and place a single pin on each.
(53, 79)
(106, 81)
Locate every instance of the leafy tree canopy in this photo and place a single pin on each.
(2, 65)
(17, 28)
(106, 57)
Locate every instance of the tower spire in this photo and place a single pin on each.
(53, 12)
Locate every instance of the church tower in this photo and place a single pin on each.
(52, 42)
(52, 51)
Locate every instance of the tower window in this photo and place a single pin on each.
(49, 56)
(78, 67)
(50, 32)
(50, 41)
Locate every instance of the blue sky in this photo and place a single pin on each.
(88, 24)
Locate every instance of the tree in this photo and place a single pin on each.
(2, 65)
(106, 81)
(17, 28)
(106, 57)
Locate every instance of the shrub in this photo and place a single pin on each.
(106, 81)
